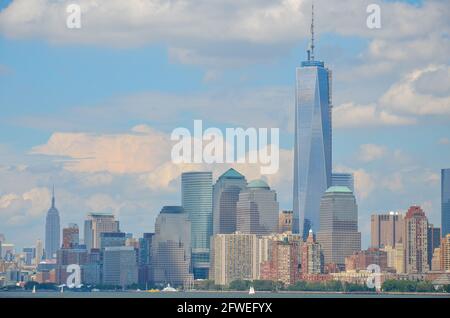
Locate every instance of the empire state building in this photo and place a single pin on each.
(52, 231)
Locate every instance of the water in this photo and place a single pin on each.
(203, 294)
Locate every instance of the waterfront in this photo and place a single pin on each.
(222, 295)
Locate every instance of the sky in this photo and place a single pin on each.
(91, 110)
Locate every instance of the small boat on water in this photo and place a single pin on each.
(251, 291)
(34, 289)
(169, 288)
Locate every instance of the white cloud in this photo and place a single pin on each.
(444, 141)
(414, 93)
(371, 152)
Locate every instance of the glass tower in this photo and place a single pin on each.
(196, 193)
(312, 150)
(445, 201)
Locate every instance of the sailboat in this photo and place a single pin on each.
(34, 289)
(251, 291)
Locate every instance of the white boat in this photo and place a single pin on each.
(34, 289)
(251, 291)
(169, 288)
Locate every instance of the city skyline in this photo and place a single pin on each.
(106, 149)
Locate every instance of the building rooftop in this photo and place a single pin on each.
(172, 209)
(232, 174)
(338, 189)
(258, 184)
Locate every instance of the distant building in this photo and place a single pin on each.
(436, 260)
(257, 209)
(312, 256)
(29, 254)
(283, 262)
(445, 253)
(338, 234)
(396, 257)
(39, 252)
(112, 239)
(445, 201)
(416, 242)
(386, 229)
(52, 231)
(433, 241)
(71, 236)
(120, 266)
(66, 256)
(343, 180)
(285, 219)
(145, 258)
(225, 197)
(196, 197)
(234, 257)
(96, 224)
(171, 247)
(360, 260)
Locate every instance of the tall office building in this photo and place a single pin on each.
(313, 141)
(386, 229)
(120, 266)
(112, 239)
(171, 247)
(445, 202)
(71, 236)
(257, 209)
(225, 197)
(234, 257)
(145, 258)
(339, 179)
(338, 235)
(285, 221)
(96, 224)
(196, 196)
(445, 254)
(312, 256)
(416, 240)
(39, 252)
(52, 231)
(433, 241)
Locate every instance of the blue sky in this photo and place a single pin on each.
(71, 94)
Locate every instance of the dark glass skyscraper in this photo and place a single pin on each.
(196, 197)
(312, 150)
(52, 231)
(445, 201)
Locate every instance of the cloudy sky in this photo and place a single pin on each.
(91, 110)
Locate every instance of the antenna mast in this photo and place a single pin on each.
(312, 31)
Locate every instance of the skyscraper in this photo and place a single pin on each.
(39, 252)
(71, 236)
(313, 141)
(445, 202)
(257, 209)
(171, 246)
(234, 256)
(416, 240)
(285, 221)
(312, 256)
(196, 196)
(120, 266)
(52, 231)
(338, 235)
(343, 180)
(225, 197)
(96, 224)
(386, 229)
(433, 241)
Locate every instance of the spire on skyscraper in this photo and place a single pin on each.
(311, 57)
(53, 197)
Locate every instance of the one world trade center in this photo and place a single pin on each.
(313, 140)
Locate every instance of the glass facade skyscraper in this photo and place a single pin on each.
(225, 197)
(445, 201)
(312, 150)
(343, 180)
(196, 199)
